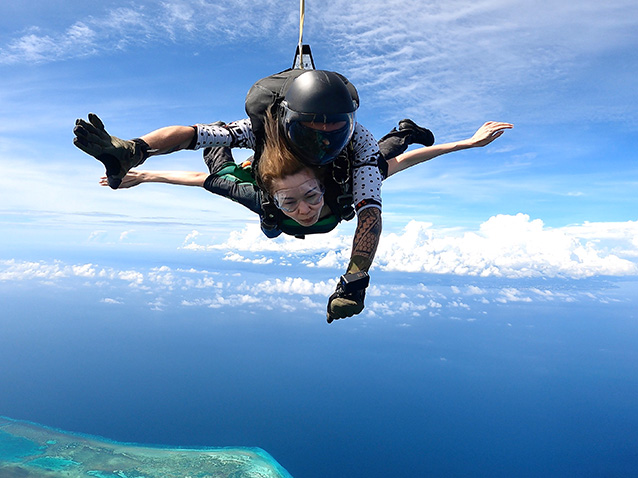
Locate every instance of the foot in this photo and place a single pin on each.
(418, 134)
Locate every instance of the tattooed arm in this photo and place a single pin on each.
(344, 303)
(366, 240)
(349, 295)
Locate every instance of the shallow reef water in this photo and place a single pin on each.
(29, 450)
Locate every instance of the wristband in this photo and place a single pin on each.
(353, 282)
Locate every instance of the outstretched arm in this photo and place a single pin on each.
(483, 136)
(182, 178)
(344, 303)
(169, 139)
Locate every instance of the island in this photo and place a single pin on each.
(30, 450)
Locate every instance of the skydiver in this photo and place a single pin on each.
(308, 145)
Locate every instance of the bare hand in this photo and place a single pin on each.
(488, 133)
(132, 178)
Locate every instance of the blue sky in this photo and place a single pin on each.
(554, 197)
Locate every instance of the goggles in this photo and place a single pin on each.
(310, 192)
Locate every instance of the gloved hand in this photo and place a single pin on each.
(348, 298)
(117, 155)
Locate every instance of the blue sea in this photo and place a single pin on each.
(538, 388)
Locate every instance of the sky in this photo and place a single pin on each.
(564, 178)
(542, 222)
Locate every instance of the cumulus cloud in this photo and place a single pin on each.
(163, 276)
(134, 277)
(503, 246)
(12, 270)
(296, 285)
(252, 239)
(620, 238)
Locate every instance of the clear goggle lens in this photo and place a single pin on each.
(310, 192)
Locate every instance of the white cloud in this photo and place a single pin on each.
(507, 246)
(162, 276)
(390, 308)
(13, 270)
(296, 285)
(125, 235)
(474, 290)
(108, 300)
(512, 295)
(35, 47)
(503, 246)
(620, 238)
(158, 304)
(469, 52)
(252, 239)
(163, 288)
(147, 23)
(86, 270)
(133, 277)
(191, 238)
(97, 235)
(234, 257)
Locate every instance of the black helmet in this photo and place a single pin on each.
(319, 97)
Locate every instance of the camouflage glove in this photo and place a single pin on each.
(117, 155)
(349, 296)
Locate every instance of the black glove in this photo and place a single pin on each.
(349, 296)
(117, 155)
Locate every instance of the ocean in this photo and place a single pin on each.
(523, 388)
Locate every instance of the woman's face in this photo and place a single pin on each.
(299, 196)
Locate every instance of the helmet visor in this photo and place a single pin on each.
(318, 139)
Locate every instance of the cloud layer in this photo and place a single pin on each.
(503, 246)
(178, 291)
(420, 272)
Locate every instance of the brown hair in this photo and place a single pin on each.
(277, 161)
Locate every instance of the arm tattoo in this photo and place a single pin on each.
(366, 239)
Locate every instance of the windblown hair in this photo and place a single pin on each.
(277, 161)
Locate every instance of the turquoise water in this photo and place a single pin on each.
(36, 450)
(53, 463)
(14, 448)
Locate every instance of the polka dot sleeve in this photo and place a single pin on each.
(367, 179)
(238, 134)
